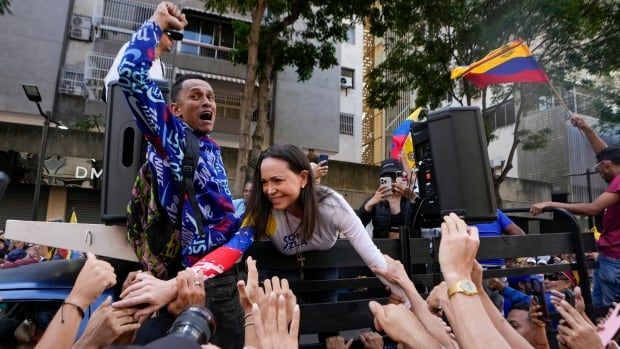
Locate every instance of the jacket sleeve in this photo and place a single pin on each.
(224, 257)
(364, 215)
(144, 97)
(351, 228)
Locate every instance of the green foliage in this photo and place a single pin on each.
(90, 122)
(427, 38)
(302, 46)
(533, 140)
(4, 7)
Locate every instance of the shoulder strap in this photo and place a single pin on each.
(190, 163)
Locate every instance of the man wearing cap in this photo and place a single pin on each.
(390, 206)
(607, 277)
(157, 71)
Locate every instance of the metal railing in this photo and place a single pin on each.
(346, 123)
(206, 50)
(96, 67)
(72, 81)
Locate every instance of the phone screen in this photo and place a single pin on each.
(323, 157)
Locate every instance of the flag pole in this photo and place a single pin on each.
(557, 94)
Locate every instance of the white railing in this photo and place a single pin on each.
(125, 14)
(72, 81)
(96, 67)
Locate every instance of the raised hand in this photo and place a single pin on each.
(107, 325)
(147, 290)
(337, 342)
(95, 277)
(371, 340)
(275, 332)
(190, 291)
(401, 325)
(169, 16)
(575, 331)
(458, 248)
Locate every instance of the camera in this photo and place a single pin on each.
(196, 323)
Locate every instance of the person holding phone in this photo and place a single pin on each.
(390, 206)
(319, 168)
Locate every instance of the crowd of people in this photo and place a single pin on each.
(286, 204)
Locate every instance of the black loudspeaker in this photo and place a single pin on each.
(125, 150)
(453, 166)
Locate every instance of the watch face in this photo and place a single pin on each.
(468, 286)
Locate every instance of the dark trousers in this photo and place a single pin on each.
(222, 299)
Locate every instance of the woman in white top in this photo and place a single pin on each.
(298, 216)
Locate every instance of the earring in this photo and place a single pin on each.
(303, 186)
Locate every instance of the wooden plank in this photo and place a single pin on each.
(100, 239)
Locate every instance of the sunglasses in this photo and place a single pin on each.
(556, 277)
(174, 35)
(598, 166)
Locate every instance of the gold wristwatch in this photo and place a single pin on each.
(466, 287)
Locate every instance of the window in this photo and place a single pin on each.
(351, 34)
(346, 124)
(347, 78)
(208, 37)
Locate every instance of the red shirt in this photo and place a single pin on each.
(609, 243)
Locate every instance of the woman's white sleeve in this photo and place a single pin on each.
(351, 228)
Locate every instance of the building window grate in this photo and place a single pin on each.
(346, 124)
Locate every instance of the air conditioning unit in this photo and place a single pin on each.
(81, 28)
(72, 88)
(346, 82)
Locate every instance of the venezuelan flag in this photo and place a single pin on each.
(511, 63)
(401, 139)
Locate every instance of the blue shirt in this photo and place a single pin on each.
(239, 205)
(495, 228)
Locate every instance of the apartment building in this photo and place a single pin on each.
(66, 47)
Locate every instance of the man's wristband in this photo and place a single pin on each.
(62, 307)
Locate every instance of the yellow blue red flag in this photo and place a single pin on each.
(511, 63)
(402, 144)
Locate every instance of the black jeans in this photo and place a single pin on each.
(222, 299)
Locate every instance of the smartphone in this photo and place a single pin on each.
(611, 326)
(538, 293)
(323, 158)
(386, 181)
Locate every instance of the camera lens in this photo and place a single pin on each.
(196, 323)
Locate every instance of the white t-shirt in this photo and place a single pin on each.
(157, 71)
(335, 218)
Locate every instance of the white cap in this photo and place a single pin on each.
(530, 260)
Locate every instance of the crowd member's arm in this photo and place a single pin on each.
(395, 273)
(275, 331)
(106, 326)
(540, 328)
(157, 293)
(514, 339)
(596, 142)
(457, 253)
(509, 227)
(587, 209)
(402, 326)
(190, 291)
(367, 209)
(350, 227)
(575, 331)
(94, 278)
